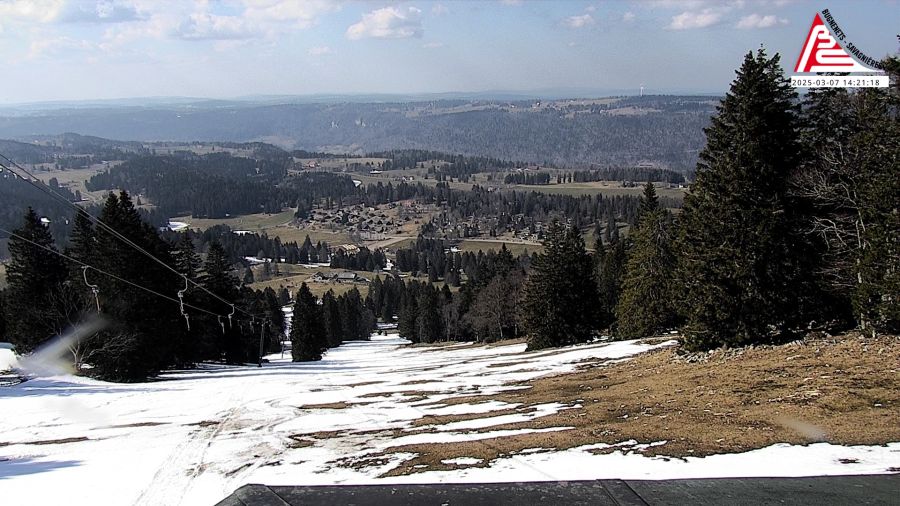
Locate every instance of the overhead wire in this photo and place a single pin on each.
(101, 271)
(32, 180)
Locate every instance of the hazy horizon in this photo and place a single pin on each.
(68, 51)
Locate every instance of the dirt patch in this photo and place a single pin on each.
(842, 390)
(411, 394)
(55, 441)
(507, 342)
(329, 405)
(417, 382)
(364, 383)
(445, 419)
(136, 424)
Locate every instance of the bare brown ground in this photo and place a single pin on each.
(329, 405)
(843, 390)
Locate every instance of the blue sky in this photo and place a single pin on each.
(67, 49)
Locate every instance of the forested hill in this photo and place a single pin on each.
(616, 131)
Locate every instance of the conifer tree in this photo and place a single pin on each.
(3, 316)
(646, 304)
(428, 321)
(331, 316)
(308, 340)
(145, 330)
(187, 261)
(35, 276)
(217, 277)
(609, 271)
(409, 313)
(739, 263)
(559, 304)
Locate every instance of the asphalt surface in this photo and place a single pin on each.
(814, 491)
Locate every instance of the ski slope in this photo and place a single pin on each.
(194, 436)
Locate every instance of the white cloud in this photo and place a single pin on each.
(42, 11)
(691, 20)
(319, 51)
(511, 2)
(301, 14)
(628, 17)
(757, 21)
(439, 10)
(432, 45)
(388, 23)
(590, 8)
(579, 21)
(204, 26)
(50, 45)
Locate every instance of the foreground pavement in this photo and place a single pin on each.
(812, 491)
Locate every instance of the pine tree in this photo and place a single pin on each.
(609, 271)
(559, 303)
(308, 340)
(428, 321)
(3, 316)
(646, 303)
(187, 261)
(739, 263)
(217, 278)
(145, 330)
(35, 276)
(409, 313)
(331, 316)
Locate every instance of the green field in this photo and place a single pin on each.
(274, 225)
(2, 276)
(294, 275)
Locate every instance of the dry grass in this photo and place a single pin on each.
(842, 390)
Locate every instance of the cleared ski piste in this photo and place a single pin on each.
(194, 436)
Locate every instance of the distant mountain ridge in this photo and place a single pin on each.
(666, 130)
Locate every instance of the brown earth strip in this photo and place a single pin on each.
(844, 390)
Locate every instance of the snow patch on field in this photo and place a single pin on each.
(194, 436)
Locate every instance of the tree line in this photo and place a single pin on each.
(792, 225)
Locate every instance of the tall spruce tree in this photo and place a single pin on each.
(331, 319)
(3, 316)
(609, 271)
(428, 321)
(559, 303)
(144, 329)
(35, 275)
(646, 303)
(308, 340)
(218, 278)
(739, 260)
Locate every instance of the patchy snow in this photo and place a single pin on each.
(177, 226)
(194, 436)
(462, 461)
(257, 260)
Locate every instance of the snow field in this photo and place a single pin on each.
(194, 436)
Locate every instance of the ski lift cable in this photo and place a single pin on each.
(31, 180)
(111, 275)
